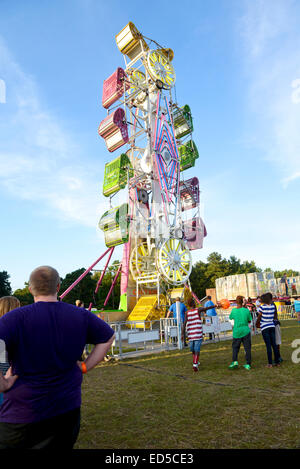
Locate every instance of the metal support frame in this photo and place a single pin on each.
(112, 285)
(150, 279)
(83, 275)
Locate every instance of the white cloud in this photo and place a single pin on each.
(2, 92)
(271, 50)
(39, 160)
(296, 93)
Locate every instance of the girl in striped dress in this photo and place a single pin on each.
(267, 314)
(193, 325)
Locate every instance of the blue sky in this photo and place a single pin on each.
(237, 64)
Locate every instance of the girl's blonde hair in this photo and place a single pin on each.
(7, 303)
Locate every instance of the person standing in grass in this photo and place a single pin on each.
(284, 285)
(277, 328)
(44, 341)
(212, 314)
(267, 314)
(241, 333)
(193, 325)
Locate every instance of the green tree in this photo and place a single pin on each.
(216, 267)
(204, 275)
(199, 280)
(24, 295)
(249, 267)
(83, 290)
(114, 300)
(5, 288)
(288, 272)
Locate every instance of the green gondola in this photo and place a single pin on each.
(188, 154)
(183, 121)
(116, 174)
(115, 225)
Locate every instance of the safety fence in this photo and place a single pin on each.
(286, 312)
(135, 338)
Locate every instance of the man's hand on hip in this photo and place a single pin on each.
(7, 381)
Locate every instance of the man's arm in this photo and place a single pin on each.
(259, 312)
(97, 354)
(170, 311)
(209, 307)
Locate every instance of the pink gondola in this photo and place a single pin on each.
(114, 130)
(189, 193)
(113, 87)
(194, 233)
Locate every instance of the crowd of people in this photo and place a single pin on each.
(246, 315)
(41, 373)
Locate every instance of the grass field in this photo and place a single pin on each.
(158, 402)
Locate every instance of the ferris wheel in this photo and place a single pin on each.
(159, 224)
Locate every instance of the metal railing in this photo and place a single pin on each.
(286, 312)
(135, 338)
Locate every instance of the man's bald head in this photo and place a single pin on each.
(44, 281)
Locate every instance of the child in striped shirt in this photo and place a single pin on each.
(267, 314)
(193, 325)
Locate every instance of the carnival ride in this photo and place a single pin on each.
(159, 224)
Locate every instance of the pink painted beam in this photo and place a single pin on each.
(112, 286)
(83, 275)
(104, 270)
(101, 277)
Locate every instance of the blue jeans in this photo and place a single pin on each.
(269, 338)
(195, 345)
(1, 398)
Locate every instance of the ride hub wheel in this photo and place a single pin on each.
(143, 263)
(160, 68)
(175, 261)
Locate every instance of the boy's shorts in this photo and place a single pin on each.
(277, 335)
(195, 345)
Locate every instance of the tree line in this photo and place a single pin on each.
(203, 276)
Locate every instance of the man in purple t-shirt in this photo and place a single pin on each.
(44, 342)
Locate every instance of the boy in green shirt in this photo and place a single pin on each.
(241, 333)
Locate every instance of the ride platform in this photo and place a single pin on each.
(148, 309)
